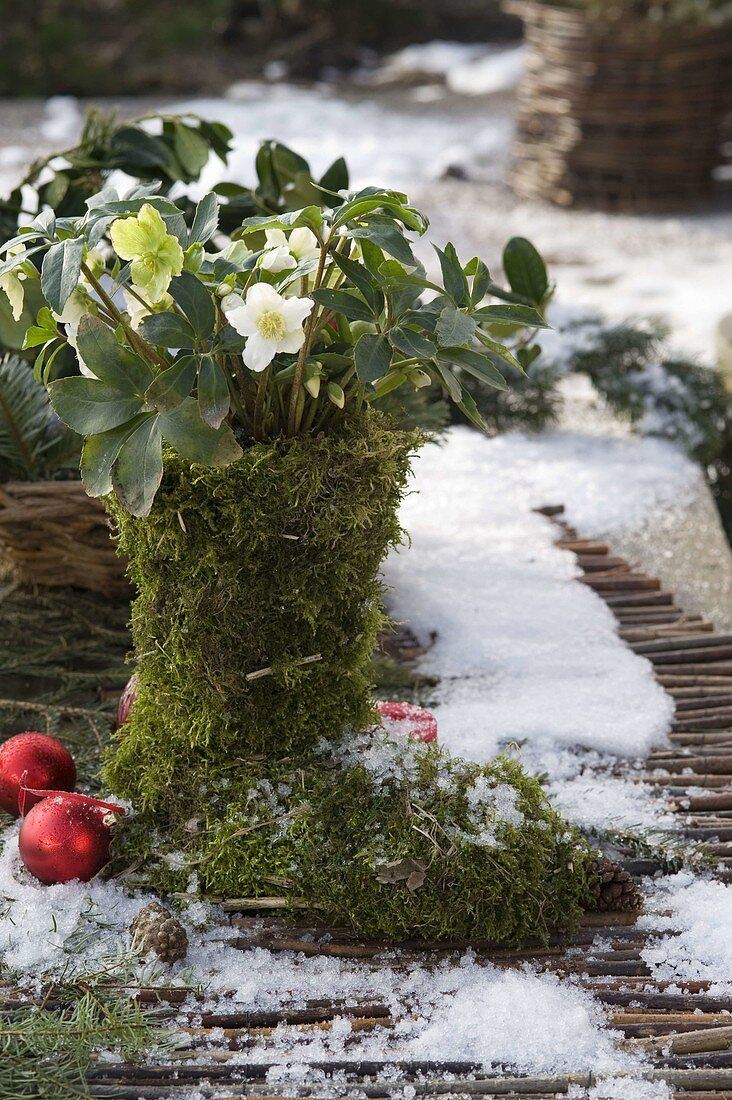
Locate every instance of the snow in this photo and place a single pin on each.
(697, 914)
(464, 68)
(388, 143)
(524, 653)
(484, 571)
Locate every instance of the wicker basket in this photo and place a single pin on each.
(53, 534)
(619, 116)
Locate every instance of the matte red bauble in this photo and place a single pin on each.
(33, 760)
(126, 701)
(65, 836)
(408, 719)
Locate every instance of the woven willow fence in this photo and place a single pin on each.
(619, 116)
(53, 534)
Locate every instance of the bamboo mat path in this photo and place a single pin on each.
(685, 1028)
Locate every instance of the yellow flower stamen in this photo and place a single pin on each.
(271, 325)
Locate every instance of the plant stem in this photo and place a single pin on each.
(143, 348)
(293, 418)
(257, 427)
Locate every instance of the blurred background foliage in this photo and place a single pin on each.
(133, 47)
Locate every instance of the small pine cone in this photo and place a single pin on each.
(612, 889)
(156, 929)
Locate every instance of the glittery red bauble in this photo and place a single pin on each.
(65, 836)
(126, 701)
(33, 760)
(407, 718)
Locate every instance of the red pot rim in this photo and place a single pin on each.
(73, 795)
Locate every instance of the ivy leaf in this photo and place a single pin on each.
(89, 406)
(454, 327)
(197, 441)
(167, 330)
(195, 300)
(173, 385)
(372, 356)
(61, 270)
(213, 392)
(138, 469)
(347, 302)
(525, 270)
(101, 451)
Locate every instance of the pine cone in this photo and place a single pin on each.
(612, 889)
(156, 929)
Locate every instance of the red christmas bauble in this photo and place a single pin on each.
(65, 836)
(126, 701)
(407, 718)
(33, 760)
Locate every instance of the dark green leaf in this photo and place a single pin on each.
(412, 343)
(138, 469)
(525, 270)
(195, 440)
(190, 148)
(481, 280)
(205, 220)
(213, 392)
(363, 279)
(173, 385)
(229, 341)
(526, 356)
(61, 270)
(454, 327)
(348, 302)
(476, 364)
(335, 178)
(195, 301)
(453, 276)
(110, 362)
(452, 385)
(511, 315)
(372, 356)
(389, 238)
(500, 350)
(468, 406)
(101, 451)
(89, 406)
(167, 330)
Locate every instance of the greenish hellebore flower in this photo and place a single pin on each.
(156, 255)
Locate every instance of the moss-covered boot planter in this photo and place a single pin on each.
(258, 610)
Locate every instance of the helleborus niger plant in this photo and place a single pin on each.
(209, 343)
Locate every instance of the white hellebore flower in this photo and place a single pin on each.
(12, 283)
(282, 254)
(270, 322)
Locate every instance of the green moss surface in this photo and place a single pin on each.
(265, 564)
(268, 785)
(393, 840)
